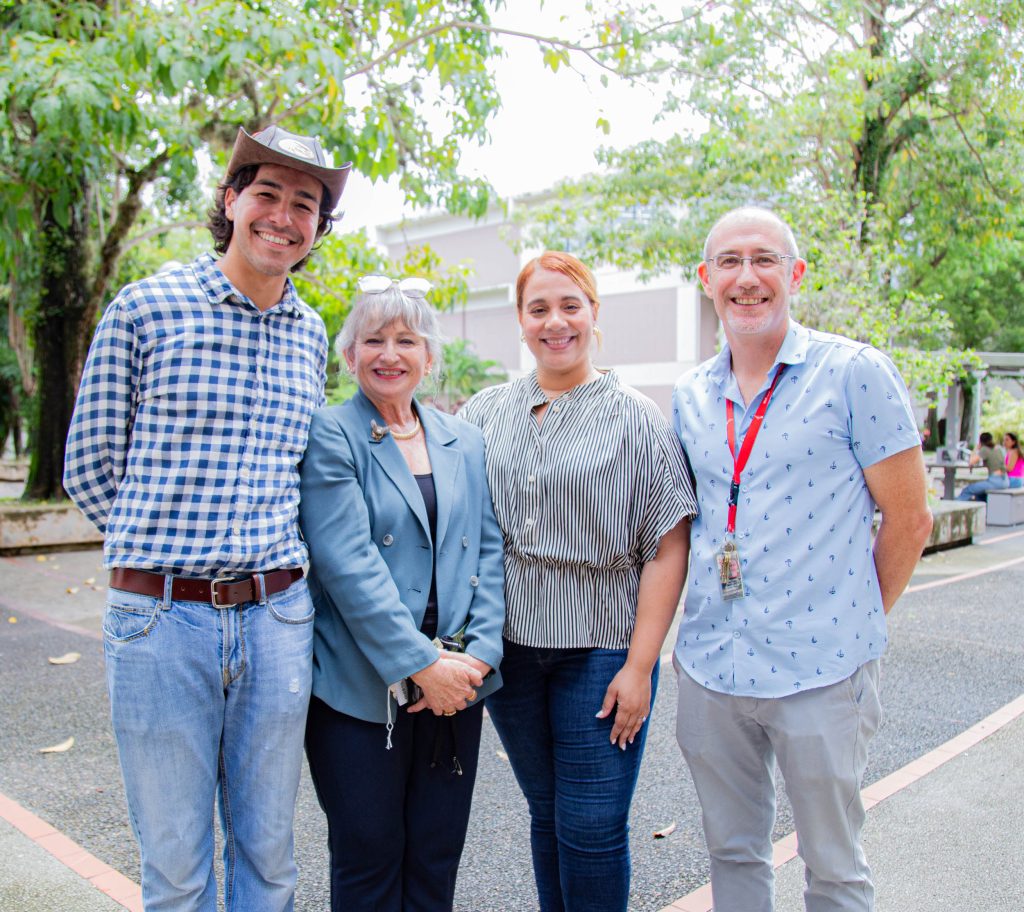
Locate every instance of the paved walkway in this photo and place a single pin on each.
(945, 831)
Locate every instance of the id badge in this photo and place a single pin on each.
(730, 577)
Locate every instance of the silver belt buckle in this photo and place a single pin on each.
(213, 590)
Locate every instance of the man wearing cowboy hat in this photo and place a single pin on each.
(184, 448)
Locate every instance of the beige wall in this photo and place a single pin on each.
(493, 332)
(490, 258)
(639, 326)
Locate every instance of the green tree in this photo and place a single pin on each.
(110, 107)
(889, 133)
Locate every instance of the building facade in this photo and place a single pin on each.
(652, 331)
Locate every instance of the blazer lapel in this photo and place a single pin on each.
(387, 455)
(446, 465)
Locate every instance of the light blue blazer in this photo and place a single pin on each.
(364, 520)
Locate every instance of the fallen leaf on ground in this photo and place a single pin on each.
(71, 590)
(12, 620)
(41, 558)
(668, 831)
(90, 581)
(68, 658)
(59, 748)
(502, 755)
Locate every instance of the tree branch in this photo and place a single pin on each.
(589, 51)
(127, 212)
(137, 239)
(970, 146)
(320, 284)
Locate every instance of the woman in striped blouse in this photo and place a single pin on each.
(593, 497)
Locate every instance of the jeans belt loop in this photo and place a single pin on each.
(168, 597)
(261, 587)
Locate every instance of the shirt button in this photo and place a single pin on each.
(236, 529)
(388, 539)
(557, 407)
(465, 542)
(244, 473)
(474, 581)
(735, 634)
(528, 522)
(530, 479)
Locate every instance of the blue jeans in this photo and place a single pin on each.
(978, 490)
(577, 784)
(1016, 482)
(211, 704)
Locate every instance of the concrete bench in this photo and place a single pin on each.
(27, 527)
(1006, 507)
(955, 523)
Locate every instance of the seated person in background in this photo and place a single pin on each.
(1014, 460)
(989, 454)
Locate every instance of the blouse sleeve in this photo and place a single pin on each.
(670, 492)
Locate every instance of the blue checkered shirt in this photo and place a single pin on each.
(190, 423)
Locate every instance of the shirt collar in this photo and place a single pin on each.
(218, 287)
(607, 380)
(792, 351)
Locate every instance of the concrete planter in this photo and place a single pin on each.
(11, 470)
(956, 523)
(44, 526)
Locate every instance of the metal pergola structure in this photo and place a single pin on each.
(998, 365)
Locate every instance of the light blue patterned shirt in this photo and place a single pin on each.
(812, 613)
(191, 420)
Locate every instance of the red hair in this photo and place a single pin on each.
(565, 263)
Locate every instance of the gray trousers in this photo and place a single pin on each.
(820, 739)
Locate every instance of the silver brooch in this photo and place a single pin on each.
(377, 432)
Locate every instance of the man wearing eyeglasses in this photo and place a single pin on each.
(184, 447)
(795, 437)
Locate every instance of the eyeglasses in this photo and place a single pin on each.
(413, 286)
(763, 262)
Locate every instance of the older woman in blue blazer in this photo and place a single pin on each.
(405, 556)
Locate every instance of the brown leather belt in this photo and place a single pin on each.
(222, 592)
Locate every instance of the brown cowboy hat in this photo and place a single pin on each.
(274, 146)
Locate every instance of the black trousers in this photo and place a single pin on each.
(396, 818)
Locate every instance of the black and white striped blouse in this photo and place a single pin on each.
(583, 501)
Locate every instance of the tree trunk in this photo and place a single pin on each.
(62, 321)
(869, 156)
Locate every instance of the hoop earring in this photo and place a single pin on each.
(598, 336)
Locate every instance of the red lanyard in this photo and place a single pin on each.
(739, 462)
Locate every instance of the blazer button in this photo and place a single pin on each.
(465, 541)
(388, 539)
(474, 581)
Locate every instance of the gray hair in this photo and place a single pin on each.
(754, 214)
(372, 312)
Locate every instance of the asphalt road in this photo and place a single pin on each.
(956, 654)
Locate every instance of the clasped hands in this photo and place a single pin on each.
(449, 683)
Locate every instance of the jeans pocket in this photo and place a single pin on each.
(129, 616)
(293, 605)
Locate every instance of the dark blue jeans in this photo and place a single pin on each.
(577, 784)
